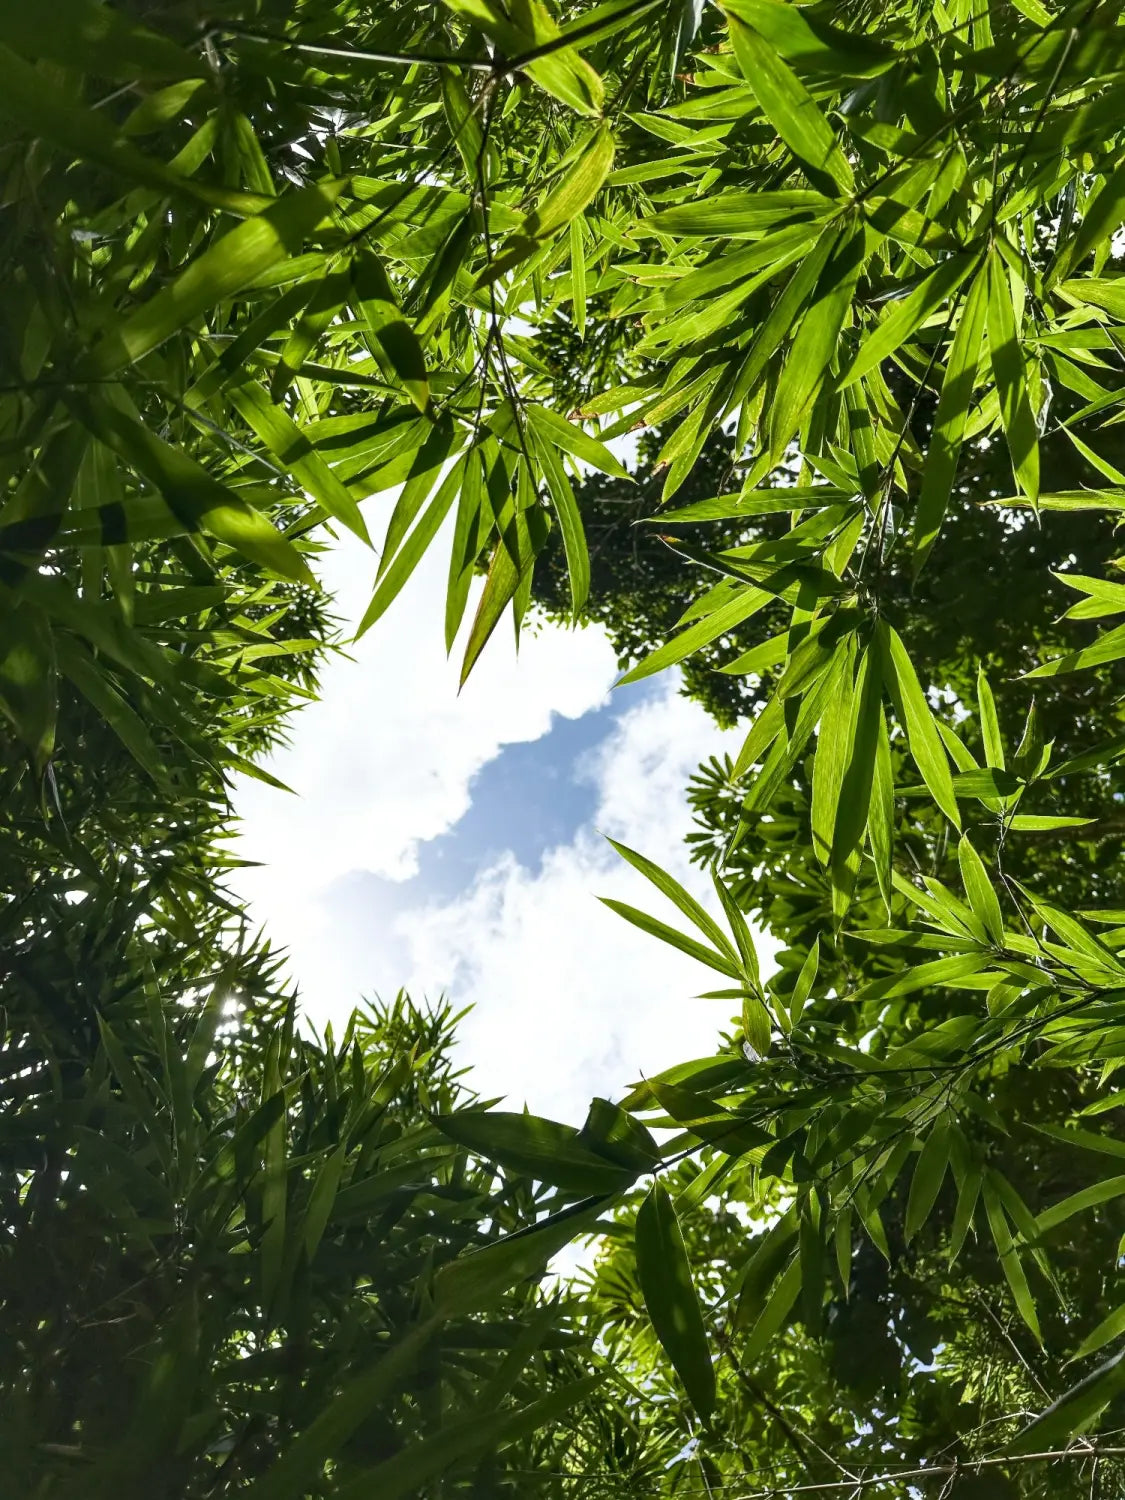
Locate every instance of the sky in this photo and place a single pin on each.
(455, 844)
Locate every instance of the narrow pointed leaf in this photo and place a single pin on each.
(666, 1284)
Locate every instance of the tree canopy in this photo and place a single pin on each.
(274, 269)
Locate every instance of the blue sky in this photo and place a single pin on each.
(455, 844)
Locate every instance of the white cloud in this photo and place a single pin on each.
(385, 759)
(569, 999)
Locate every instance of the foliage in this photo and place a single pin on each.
(264, 265)
(639, 588)
(248, 1228)
(943, 210)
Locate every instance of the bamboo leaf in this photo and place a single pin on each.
(543, 1149)
(575, 440)
(882, 812)
(1076, 1203)
(833, 746)
(197, 501)
(473, 1281)
(903, 318)
(929, 1173)
(666, 1283)
(411, 552)
(1074, 1411)
(226, 268)
(655, 928)
(1011, 380)
(746, 603)
(952, 417)
(680, 898)
(33, 103)
(570, 521)
(791, 109)
(925, 743)
(1111, 1327)
(1009, 1257)
(28, 690)
(979, 889)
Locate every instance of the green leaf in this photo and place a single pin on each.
(815, 345)
(570, 520)
(1108, 647)
(562, 206)
(903, 318)
(664, 1274)
(913, 709)
(738, 925)
(1044, 823)
(413, 1465)
(989, 722)
(541, 1149)
(578, 276)
(500, 585)
(761, 1271)
(980, 891)
(1009, 1257)
(410, 553)
(1103, 214)
(805, 981)
(675, 939)
(862, 752)
(1011, 379)
(933, 1161)
(301, 1463)
(226, 268)
(133, 1087)
(612, 1133)
(881, 822)
(968, 1191)
(576, 190)
(464, 121)
(86, 35)
(1076, 1203)
(391, 339)
(733, 272)
(1074, 1411)
(275, 1188)
(127, 725)
(986, 782)
(1107, 293)
(951, 418)
(292, 449)
(1111, 1327)
(748, 601)
(196, 500)
(772, 1318)
(468, 540)
(679, 897)
(474, 1281)
(833, 745)
(738, 213)
(791, 109)
(813, 43)
(757, 1025)
(35, 104)
(709, 1121)
(317, 314)
(321, 1201)
(560, 71)
(28, 690)
(1087, 1140)
(572, 439)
